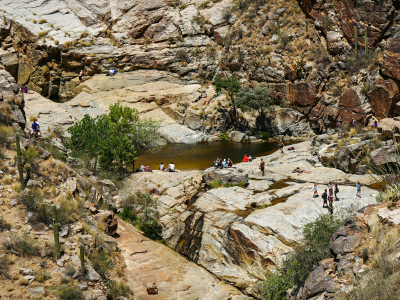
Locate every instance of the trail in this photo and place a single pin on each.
(176, 277)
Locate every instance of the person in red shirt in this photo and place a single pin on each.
(245, 159)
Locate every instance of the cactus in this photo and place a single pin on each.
(306, 25)
(55, 231)
(366, 41)
(20, 170)
(278, 27)
(355, 39)
(365, 255)
(82, 252)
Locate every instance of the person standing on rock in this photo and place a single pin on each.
(336, 192)
(281, 145)
(315, 191)
(262, 167)
(330, 186)
(330, 203)
(358, 185)
(325, 197)
(81, 76)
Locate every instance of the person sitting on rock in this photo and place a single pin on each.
(162, 167)
(197, 99)
(230, 165)
(110, 72)
(300, 171)
(171, 167)
(204, 95)
(142, 168)
(245, 158)
(224, 163)
(147, 169)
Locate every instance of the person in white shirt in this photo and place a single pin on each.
(162, 167)
(171, 167)
(142, 168)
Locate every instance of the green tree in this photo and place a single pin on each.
(231, 86)
(114, 139)
(258, 99)
(87, 137)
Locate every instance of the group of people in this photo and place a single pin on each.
(222, 164)
(171, 168)
(202, 95)
(35, 130)
(112, 72)
(331, 192)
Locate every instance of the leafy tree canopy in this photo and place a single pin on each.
(258, 99)
(115, 139)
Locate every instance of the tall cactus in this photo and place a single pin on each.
(355, 39)
(20, 170)
(55, 231)
(366, 41)
(306, 25)
(82, 252)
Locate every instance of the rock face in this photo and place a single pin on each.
(391, 58)
(228, 175)
(11, 101)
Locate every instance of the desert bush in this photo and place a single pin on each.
(31, 199)
(101, 263)
(215, 184)
(182, 56)
(223, 136)
(117, 288)
(22, 244)
(265, 136)
(69, 270)
(42, 21)
(42, 275)
(30, 155)
(42, 34)
(227, 14)
(296, 267)
(68, 292)
(141, 209)
(5, 133)
(4, 225)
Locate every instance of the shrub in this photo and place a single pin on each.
(42, 34)
(67, 292)
(42, 21)
(215, 184)
(141, 209)
(265, 136)
(226, 14)
(182, 56)
(101, 263)
(22, 244)
(117, 288)
(296, 267)
(84, 34)
(4, 226)
(5, 133)
(31, 198)
(69, 270)
(30, 155)
(223, 136)
(42, 275)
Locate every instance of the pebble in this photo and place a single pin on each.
(84, 286)
(13, 202)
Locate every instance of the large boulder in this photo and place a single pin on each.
(228, 175)
(384, 95)
(285, 122)
(302, 96)
(237, 136)
(387, 127)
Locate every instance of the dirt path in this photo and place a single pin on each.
(175, 276)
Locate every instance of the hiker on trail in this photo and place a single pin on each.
(325, 198)
(315, 191)
(338, 123)
(281, 145)
(354, 122)
(81, 76)
(358, 185)
(376, 124)
(330, 203)
(336, 192)
(330, 186)
(262, 167)
(147, 169)
(162, 167)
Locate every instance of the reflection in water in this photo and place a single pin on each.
(201, 156)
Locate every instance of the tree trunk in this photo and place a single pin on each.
(95, 164)
(235, 116)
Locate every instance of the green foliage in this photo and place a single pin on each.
(365, 255)
(231, 86)
(257, 99)
(5, 133)
(337, 90)
(304, 259)
(23, 244)
(229, 184)
(31, 198)
(68, 292)
(30, 155)
(101, 263)
(115, 139)
(141, 209)
(215, 184)
(266, 136)
(117, 288)
(224, 136)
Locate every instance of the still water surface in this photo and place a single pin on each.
(201, 156)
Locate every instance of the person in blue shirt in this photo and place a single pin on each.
(358, 185)
(224, 163)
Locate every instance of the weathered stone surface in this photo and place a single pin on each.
(303, 96)
(345, 240)
(172, 273)
(286, 122)
(391, 59)
(391, 216)
(317, 282)
(227, 175)
(387, 127)
(237, 136)
(384, 95)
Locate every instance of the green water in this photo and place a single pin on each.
(202, 156)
